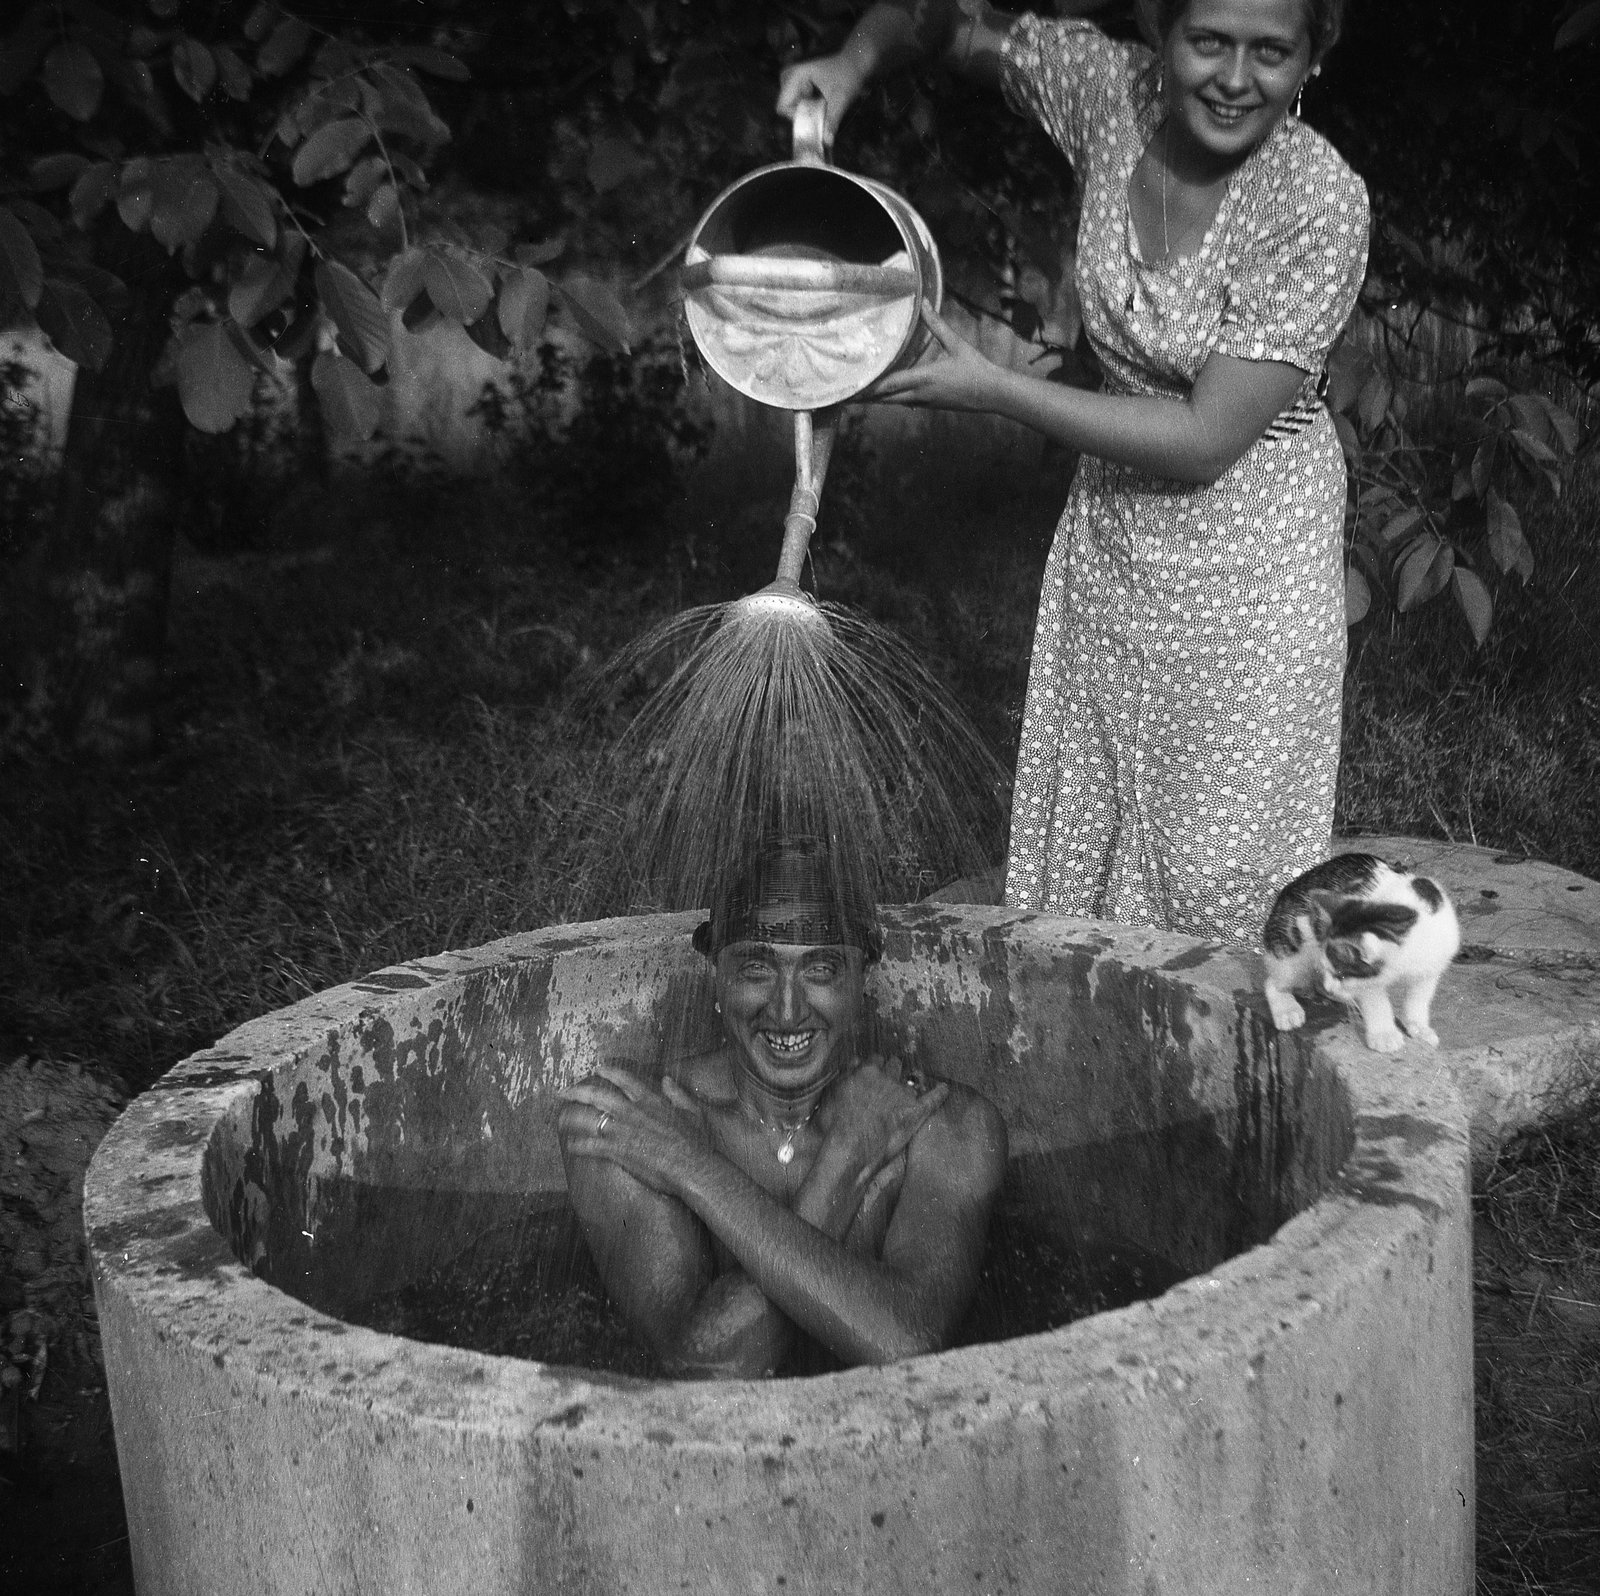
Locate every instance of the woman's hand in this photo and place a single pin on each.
(836, 78)
(657, 1137)
(959, 378)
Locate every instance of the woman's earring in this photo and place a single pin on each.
(1299, 99)
(717, 1007)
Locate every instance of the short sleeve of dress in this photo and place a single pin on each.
(1295, 282)
(1064, 76)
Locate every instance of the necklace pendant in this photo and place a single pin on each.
(786, 1152)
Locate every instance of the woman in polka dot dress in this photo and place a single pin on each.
(1181, 734)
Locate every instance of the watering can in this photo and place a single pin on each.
(803, 285)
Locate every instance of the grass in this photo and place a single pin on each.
(365, 763)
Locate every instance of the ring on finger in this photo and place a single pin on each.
(600, 1128)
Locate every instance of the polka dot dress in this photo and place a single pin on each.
(1181, 734)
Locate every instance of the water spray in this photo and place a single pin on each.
(777, 715)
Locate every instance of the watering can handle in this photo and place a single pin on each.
(810, 127)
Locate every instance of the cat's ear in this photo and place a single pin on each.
(1325, 906)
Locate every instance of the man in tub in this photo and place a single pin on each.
(789, 1202)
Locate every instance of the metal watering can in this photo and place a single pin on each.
(803, 285)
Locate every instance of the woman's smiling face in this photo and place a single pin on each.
(791, 1011)
(1233, 68)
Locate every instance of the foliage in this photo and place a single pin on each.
(288, 168)
(606, 448)
(22, 470)
(1424, 516)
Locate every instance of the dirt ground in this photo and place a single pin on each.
(61, 1521)
(62, 1530)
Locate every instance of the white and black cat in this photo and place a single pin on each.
(1368, 934)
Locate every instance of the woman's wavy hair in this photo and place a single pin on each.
(1324, 18)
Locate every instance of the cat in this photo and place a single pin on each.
(1368, 934)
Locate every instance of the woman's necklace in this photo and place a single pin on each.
(1166, 242)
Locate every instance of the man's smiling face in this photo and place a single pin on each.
(791, 1011)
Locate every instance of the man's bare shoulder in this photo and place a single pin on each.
(964, 1143)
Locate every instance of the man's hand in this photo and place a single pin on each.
(871, 1117)
(657, 1137)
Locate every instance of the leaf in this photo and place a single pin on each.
(612, 162)
(165, 8)
(1483, 465)
(1508, 547)
(73, 79)
(261, 287)
(1562, 422)
(398, 104)
(247, 346)
(383, 209)
(459, 290)
(195, 68)
(486, 334)
(56, 171)
(215, 381)
(186, 198)
(1486, 388)
(407, 168)
(597, 313)
(108, 291)
(438, 63)
(1536, 449)
(46, 230)
(1476, 605)
(1401, 524)
(365, 178)
(283, 47)
(354, 309)
(1347, 437)
(246, 205)
(1584, 21)
(74, 323)
(330, 150)
(539, 254)
(1374, 402)
(524, 304)
(404, 280)
(261, 21)
(350, 400)
(21, 275)
(234, 73)
(1423, 572)
(1357, 596)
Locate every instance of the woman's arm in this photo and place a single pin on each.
(967, 34)
(1195, 439)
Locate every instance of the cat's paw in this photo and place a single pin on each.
(1421, 1033)
(1287, 1014)
(1390, 1041)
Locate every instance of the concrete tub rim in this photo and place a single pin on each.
(1262, 1290)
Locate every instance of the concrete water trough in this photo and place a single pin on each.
(1296, 1415)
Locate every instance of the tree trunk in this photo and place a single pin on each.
(106, 570)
